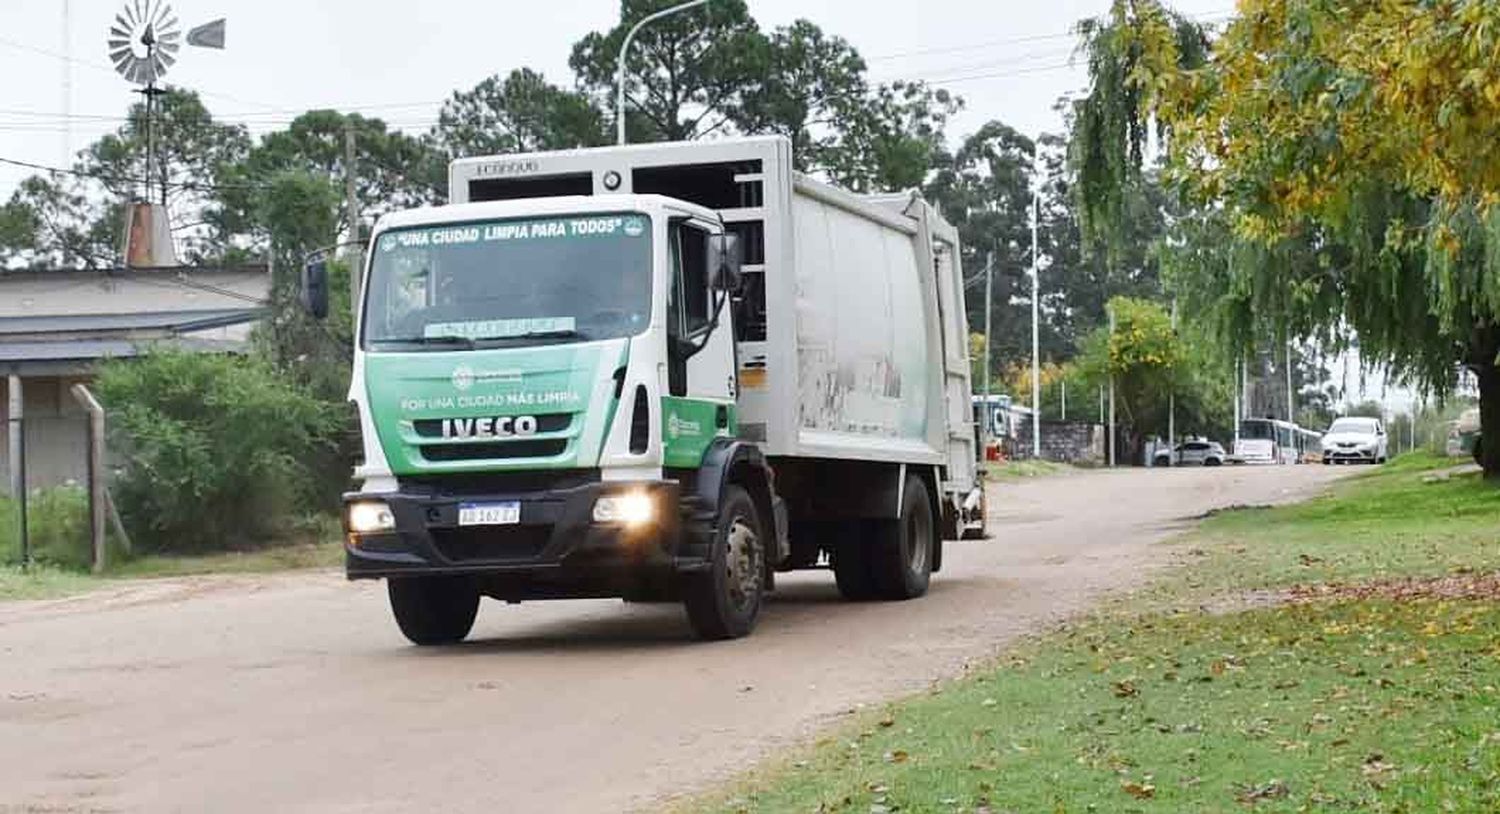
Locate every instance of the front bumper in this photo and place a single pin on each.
(1354, 454)
(555, 545)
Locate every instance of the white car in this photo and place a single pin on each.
(1358, 440)
(1197, 451)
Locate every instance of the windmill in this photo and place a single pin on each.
(143, 43)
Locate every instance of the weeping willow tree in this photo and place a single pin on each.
(1340, 162)
(1131, 52)
(1335, 169)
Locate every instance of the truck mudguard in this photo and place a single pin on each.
(719, 460)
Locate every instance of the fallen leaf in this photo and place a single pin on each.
(896, 756)
(1124, 689)
(1140, 791)
(1273, 790)
(887, 722)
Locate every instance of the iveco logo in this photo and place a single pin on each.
(463, 377)
(500, 427)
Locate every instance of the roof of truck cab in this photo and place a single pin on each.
(541, 207)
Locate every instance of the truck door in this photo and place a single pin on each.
(699, 404)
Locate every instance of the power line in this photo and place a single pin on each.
(126, 179)
(1205, 17)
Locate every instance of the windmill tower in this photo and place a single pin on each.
(143, 43)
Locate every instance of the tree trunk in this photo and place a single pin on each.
(1489, 420)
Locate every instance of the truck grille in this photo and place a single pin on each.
(496, 450)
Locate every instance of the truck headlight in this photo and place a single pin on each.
(370, 517)
(626, 508)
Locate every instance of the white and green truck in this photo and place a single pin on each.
(656, 372)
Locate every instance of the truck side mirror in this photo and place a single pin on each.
(724, 262)
(315, 288)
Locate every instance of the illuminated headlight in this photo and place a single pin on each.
(371, 517)
(628, 508)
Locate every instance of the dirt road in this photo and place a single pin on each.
(296, 693)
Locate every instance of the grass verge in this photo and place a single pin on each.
(48, 581)
(1020, 469)
(1369, 703)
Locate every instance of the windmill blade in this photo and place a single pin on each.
(163, 61)
(119, 30)
(126, 17)
(121, 58)
(169, 47)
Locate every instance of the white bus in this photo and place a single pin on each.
(1268, 441)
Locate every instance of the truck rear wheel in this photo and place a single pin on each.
(433, 610)
(724, 601)
(901, 561)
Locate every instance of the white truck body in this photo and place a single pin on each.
(860, 352)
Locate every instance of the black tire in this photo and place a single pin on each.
(724, 601)
(901, 565)
(1211, 462)
(851, 561)
(433, 610)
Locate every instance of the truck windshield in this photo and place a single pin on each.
(509, 282)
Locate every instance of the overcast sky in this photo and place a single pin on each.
(1009, 59)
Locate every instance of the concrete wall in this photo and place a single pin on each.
(1076, 442)
(56, 430)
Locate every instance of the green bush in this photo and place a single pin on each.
(57, 523)
(213, 451)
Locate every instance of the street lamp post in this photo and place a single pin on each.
(625, 47)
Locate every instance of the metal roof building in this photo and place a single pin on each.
(56, 325)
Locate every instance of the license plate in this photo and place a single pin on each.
(489, 514)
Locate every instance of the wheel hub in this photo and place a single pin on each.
(742, 562)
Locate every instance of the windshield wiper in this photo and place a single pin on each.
(560, 333)
(446, 339)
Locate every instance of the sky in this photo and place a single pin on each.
(1009, 59)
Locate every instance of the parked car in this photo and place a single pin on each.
(1355, 439)
(1194, 452)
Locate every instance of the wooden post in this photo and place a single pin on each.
(98, 502)
(18, 463)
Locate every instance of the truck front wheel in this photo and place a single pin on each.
(433, 610)
(724, 601)
(901, 562)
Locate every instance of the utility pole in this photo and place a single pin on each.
(1064, 415)
(1036, 361)
(1172, 398)
(351, 214)
(67, 84)
(1238, 368)
(989, 409)
(1291, 397)
(1111, 395)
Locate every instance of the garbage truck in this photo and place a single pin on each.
(657, 372)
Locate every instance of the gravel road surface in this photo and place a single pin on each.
(295, 692)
